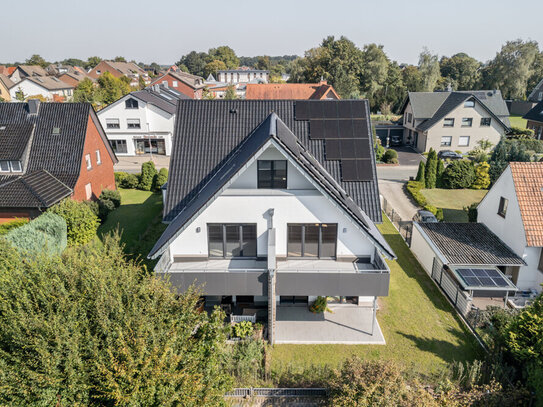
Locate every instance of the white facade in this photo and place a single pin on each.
(242, 76)
(301, 202)
(31, 88)
(510, 229)
(155, 127)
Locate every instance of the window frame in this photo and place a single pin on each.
(98, 157)
(445, 123)
(464, 137)
(7, 165)
(502, 207)
(319, 244)
(113, 123)
(273, 177)
(468, 119)
(133, 125)
(12, 168)
(224, 241)
(469, 103)
(88, 161)
(484, 120)
(441, 144)
(130, 105)
(114, 146)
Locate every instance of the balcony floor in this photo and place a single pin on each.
(219, 265)
(348, 324)
(323, 265)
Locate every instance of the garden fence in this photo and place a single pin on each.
(277, 392)
(405, 227)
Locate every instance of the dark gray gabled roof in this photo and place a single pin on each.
(534, 94)
(39, 189)
(536, 113)
(14, 140)
(469, 244)
(207, 132)
(161, 97)
(271, 128)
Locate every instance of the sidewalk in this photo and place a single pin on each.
(133, 164)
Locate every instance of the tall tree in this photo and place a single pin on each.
(230, 93)
(92, 62)
(374, 71)
(537, 73)
(85, 91)
(119, 59)
(226, 55)
(37, 60)
(412, 78)
(461, 71)
(263, 63)
(195, 62)
(73, 62)
(112, 88)
(429, 70)
(213, 67)
(393, 91)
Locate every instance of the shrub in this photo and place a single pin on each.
(389, 155)
(93, 205)
(421, 174)
(119, 178)
(148, 172)
(160, 179)
(112, 195)
(320, 305)
(472, 212)
(81, 221)
(482, 178)
(45, 234)
(243, 329)
(246, 360)
(459, 174)
(131, 181)
(431, 169)
(519, 132)
(17, 222)
(105, 206)
(439, 173)
(414, 188)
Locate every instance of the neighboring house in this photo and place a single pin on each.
(74, 77)
(535, 120)
(537, 93)
(218, 89)
(293, 91)
(142, 122)
(513, 210)
(27, 71)
(242, 75)
(49, 151)
(5, 85)
(454, 120)
(50, 87)
(7, 70)
(118, 69)
(271, 204)
(190, 85)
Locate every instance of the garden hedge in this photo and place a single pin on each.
(81, 221)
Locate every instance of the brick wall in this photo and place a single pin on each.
(100, 176)
(181, 86)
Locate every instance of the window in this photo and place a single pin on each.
(174, 84)
(485, 121)
(165, 83)
(98, 158)
(467, 121)
(88, 160)
(232, 240)
(4, 166)
(409, 117)
(448, 123)
(469, 103)
(272, 174)
(133, 123)
(15, 166)
(312, 240)
(540, 264)
(56, 131)
(113, 124)
(88, 191)
(463, 141)
(10, 166)
(502, 210)
(131, 103)
(118, 146)
(446, 141)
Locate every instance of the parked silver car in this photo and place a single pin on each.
(424, 216)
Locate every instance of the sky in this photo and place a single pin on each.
(163, 31)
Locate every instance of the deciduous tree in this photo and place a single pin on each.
(226, 55)
(461, 71)
(429, 70)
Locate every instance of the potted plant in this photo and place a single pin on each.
(320, 305)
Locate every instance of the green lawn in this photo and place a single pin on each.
(421, 329)
(453, 201)
(518, 121)
(138, 219)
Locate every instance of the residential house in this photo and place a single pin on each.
(535, 120)
(513, 210)
(293, 91)
(27, 71)
(74, 77)
(454, 120)
(190, 85)
(270, 204)
(243, 75)
(537, 93)
(142, 122)
(50, 151)
(5, 85)
(7, 70)
(50, 87)
(118, 69)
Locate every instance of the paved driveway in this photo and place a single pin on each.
(133, 164)
(393, 191)
(408, 156)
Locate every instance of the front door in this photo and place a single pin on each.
(293, 300)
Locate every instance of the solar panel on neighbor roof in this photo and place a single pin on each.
(482, 278)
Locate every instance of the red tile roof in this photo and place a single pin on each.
(528, 180)
(289, 91)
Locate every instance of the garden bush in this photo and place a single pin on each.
(414, 188)
(105, 206)
(320, 305)
(81, 221)
(160, 179)
(520, 132)
(113, 195)
(45, 234)
(459, 174)
(482, 178)
(421, 174)
(243, 329)
(119, 178)
(93, 205)
(148, 172)
(389, 155)
(431, 169)
(17, 222)
(131, 181)
(246, 361)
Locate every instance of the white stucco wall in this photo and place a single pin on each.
(30, 88)
(422, 250)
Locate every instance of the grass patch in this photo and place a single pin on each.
(421, 329)
(518, 121)
(453, 201)
(138, 220)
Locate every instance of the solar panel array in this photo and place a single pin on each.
(482, 278)
(343, 125)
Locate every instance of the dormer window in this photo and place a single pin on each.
(10, 166)
(272, 174)
(56, 130)
(131, 103)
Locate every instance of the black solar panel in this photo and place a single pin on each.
(364, 168)
(348, 170)
(344, 110)
(331, 149)
(316, 129)
(500, 281)
(330, 110)
(358, 109)
(331, 129)
(315, 110)
(360, 128)
(472, 281)
(301, 111)
(465, 272)
(346, 128)
(479, 272)
(482, 278)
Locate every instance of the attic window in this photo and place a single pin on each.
(56, 130)
(131, 104)
(469, 103)
(2, 127)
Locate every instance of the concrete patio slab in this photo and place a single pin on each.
(348, 325)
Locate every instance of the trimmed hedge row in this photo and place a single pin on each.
(6, 227)
(148, 180)
(47, 233)
(414, 188)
